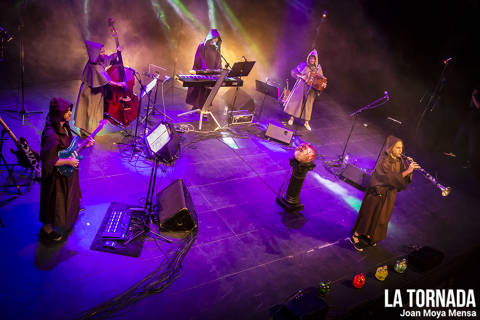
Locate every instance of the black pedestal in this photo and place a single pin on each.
(290, 201)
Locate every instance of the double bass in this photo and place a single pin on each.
(121, 103)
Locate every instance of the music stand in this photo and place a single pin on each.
(267, 90)
(240, 69)
(155, 142)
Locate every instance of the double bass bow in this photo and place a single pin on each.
(121, 103)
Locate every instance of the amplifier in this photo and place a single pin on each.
(279, 133)
(355, 176)
(239, 117)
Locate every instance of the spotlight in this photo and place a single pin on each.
(324, 15)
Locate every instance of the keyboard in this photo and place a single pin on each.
(117, 225)
(206, 71)
(192, 80)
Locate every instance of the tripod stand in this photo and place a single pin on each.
(23, 113)
(4, 163)
(149, 206)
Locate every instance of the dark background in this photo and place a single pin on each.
(365, 46)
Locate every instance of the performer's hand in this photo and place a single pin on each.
(119, 48)
(72, 161)
(90, 143)
(413, 165)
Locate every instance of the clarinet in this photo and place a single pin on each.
(445, 190)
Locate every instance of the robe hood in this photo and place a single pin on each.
(93, 50)
(315, 54)
(56, 112)
(391, 141)
(94, 74)
(213, 33)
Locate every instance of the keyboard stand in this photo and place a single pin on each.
(206, 106)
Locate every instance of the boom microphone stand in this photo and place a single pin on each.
(377, 103)
(434, 99)
(23, 113)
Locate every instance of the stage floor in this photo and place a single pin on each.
(250, 255)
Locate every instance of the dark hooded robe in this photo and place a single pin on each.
(90, 102)
(299, 103)
(206, 57)
(59, 195)
(377, 205)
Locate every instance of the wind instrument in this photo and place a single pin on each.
(445, 190)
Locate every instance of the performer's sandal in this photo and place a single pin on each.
(356, 245)
(52, 236)
(290, 122)
(307, 126)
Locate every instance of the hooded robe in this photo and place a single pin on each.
(59, 195)
(300, 101)
(206, 57)
(90, 102)
(377, 205)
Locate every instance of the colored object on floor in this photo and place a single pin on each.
(381, 273)
(400, 265)
(324, 288)
(359, 280)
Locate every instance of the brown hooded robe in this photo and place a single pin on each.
(59, 195)
(90, 101)
(299, 103)
(379, 199)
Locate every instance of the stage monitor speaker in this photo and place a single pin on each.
(175, 208)
(243, 101)
(424, 259)
(305, 305)
(279, 133)
(355, 176)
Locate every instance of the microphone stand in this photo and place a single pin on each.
(434, 97)
(372, 105)
(23, 113)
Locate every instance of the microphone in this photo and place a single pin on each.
(116, 122)
(394, 120)
(447, 60)
(130, 68)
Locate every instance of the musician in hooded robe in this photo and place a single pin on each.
(389, 176)
(59, 195)
(299, 103)
(95, 79)
(207, 57)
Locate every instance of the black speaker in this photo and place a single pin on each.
(424, 259)
(279, 133)
(305, 305)
(355, 176)
(175, 208)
